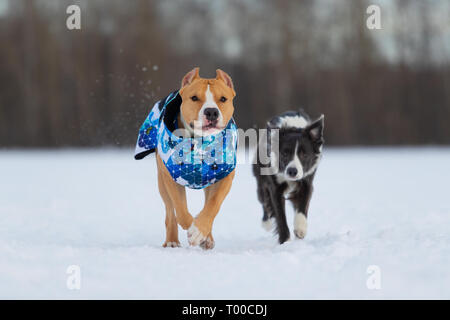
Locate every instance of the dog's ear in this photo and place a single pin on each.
(222, 75)
(190, 76)
(315, 130)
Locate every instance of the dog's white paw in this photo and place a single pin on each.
(300, 225)
(300, 234)
(208, 244)
(268, 224)
(195, 237)
(173, 244)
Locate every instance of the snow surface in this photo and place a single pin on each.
(101, 210)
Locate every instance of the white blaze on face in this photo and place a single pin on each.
(295, 163)
(210, 102)
(201, 119)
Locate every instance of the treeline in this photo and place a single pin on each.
(94, 86)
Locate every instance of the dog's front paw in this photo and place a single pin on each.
(268, 224)
(208, 244)
(195, 236)
(300, 225)
(171, 244)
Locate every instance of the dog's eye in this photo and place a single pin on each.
(223, 99)
(194, 98)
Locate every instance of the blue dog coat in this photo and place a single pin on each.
(194, 162)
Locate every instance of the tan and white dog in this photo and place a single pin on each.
(207, 107)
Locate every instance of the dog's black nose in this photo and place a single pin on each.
(211, 114)
(292, 172)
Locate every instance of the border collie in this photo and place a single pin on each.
(293, 146)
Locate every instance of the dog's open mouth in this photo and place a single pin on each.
(206, 128)
(211, 126)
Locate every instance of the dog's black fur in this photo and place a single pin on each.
(297, 136)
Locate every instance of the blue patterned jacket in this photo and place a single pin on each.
(194, 162)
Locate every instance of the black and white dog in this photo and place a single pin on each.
(294, 145)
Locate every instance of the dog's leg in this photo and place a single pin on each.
(177, 194)
(264, 199)
(214, 196)
(267, 221)
(278, 205)
(171, 221)
(300, 200)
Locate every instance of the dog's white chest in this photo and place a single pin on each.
(291, 188)
(291, 185)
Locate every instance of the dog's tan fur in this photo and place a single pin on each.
(172, 193)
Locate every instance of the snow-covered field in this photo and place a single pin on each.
(100, 210)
